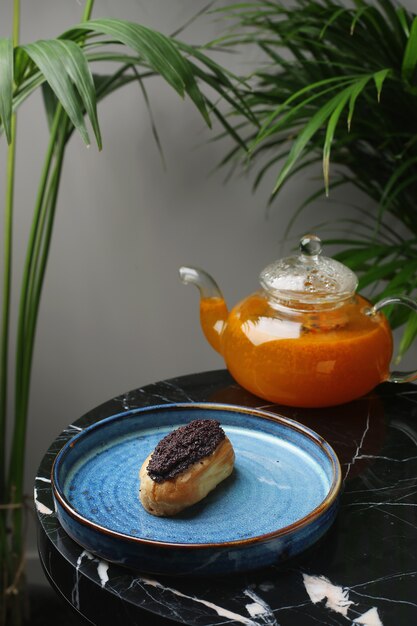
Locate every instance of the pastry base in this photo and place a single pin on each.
(175, 494)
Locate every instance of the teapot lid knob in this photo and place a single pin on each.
(310, 245)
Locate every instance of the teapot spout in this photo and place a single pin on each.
(205, 283)
(213, 309)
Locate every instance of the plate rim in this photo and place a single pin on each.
(304, 521)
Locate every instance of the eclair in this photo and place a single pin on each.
(184, 467)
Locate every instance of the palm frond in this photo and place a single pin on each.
(66, 70)
(325, 62)
(6, 85)
(156, 49)
(410, 55)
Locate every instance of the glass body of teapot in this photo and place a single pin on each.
(306, 338)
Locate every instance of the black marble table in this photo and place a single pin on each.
(362, 572)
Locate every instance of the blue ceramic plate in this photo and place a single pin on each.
(281, 497)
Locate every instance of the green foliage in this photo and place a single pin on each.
(71, 92)
(338, 84)
(66, 70)
(6, 85)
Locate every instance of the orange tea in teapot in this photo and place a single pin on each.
(306, 339)
(289, 362)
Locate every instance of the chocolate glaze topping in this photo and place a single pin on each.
(183, 447)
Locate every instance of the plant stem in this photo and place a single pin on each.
(27, 308)
(27, 271)
(8, 250)
(5, 329)
(32, 281)
(42, 258)
(16, 471)
(8, 254)
(16, 22)
(88, 10)
(50, 195)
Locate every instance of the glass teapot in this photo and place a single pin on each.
(306, 338)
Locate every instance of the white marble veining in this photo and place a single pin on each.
(370, 618)
(337, 598)
(102, 571)
(359, 447)
(412, 574)
(177, 389)
(260, 609)
(85, 554)
(223, 612)
(42, 508)
(386, 458)
(43, 480)
(320, 588)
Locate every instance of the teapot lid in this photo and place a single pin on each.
(309, 277)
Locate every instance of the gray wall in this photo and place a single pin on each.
(114, 315)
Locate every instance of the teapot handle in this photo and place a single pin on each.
(397, 377)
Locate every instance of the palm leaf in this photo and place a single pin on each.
(383, 271)
(402, 281)
(335, 81)
(357, 259)
(156, 49)
(398, 172)
(27, 88)
(332, 19)
(319, 193)
(409, 334)
(379, 79)
(403, 19)
(355, 92)
(307, 133)
(410, 55)
(22, 65)
(397, 192)
(358, 15)
(150, 114)
(66, 70)
(80, 74)
(348, 94)
(50, 102)
(6, 85)
(384, 232)
(266, 130)
(392, 20)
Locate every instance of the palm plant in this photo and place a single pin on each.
(341, 81)
(61, 67)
